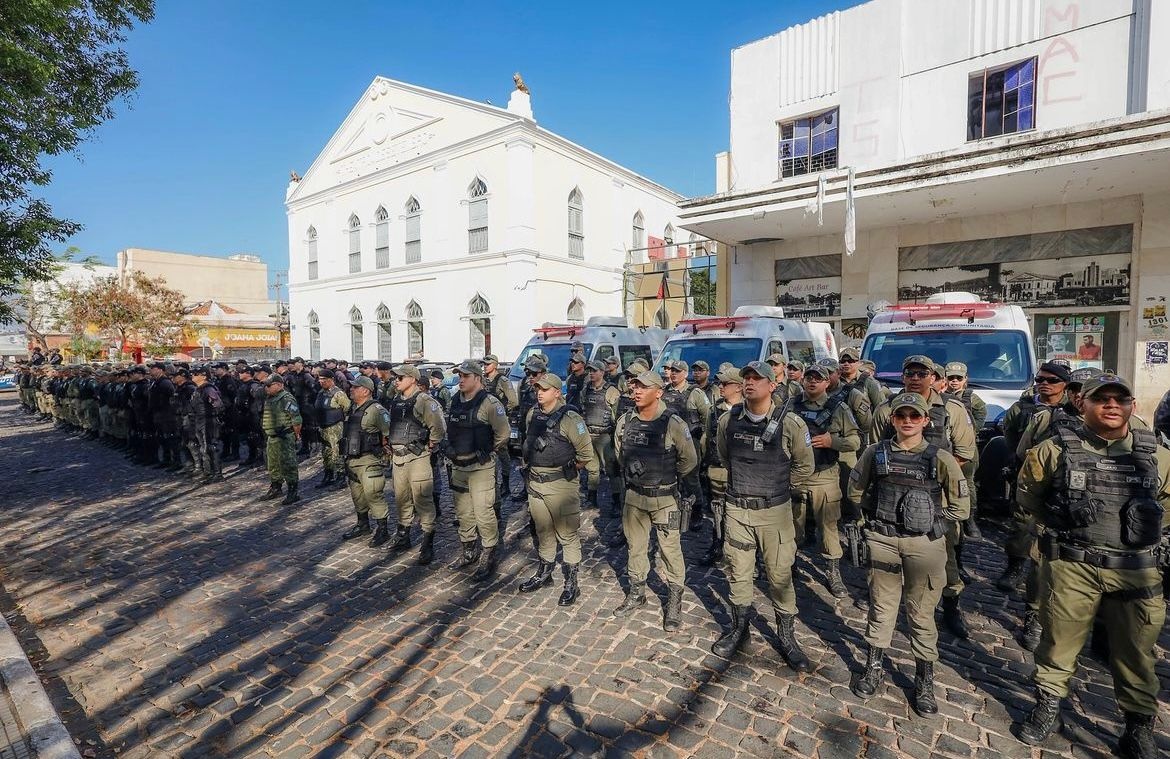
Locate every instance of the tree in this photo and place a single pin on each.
(38, 304)
(702, 292)
(142, 312)
(61, 70)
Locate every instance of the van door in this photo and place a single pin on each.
(602, 353)
(775, 346)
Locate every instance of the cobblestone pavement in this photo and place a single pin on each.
(13, 743)
(171, 621)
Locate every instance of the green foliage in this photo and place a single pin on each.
(702, 292)
(61, 70)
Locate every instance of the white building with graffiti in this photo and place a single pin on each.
(1018, 150)
(440, 227)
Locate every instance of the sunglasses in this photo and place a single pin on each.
(1047, 380)
(956, 377)
(920, 374)
(913, 416)
(1100, 400)
(847, 361)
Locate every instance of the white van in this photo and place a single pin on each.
(752, 334)
(600, 337)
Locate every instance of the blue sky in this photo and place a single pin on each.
(235, 94)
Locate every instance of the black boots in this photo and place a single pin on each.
(1030, 636)
(274, 490)
(836, 584)
(786, 643)
(970, 528)
(591, 499)
(672, 613)
(292, 496)
(381, 533)
(329, 478)
(731, 640)
(952, 618)
(571, 591)
(426, 550)
(487, 566)
(867, 683)
(924, 702)
(635, 599)
(1137, 742)
(468, 556)
(542, 578)
(696, 517)
(401, 539)
(1013, 576)
(964, 575)
(714, 553)
(1043, 720)
(361, 528)
(615, 505)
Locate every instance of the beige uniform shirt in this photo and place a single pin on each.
(492, 413)
(844, 436)
(677, 436)
(956, 493)
(429, 414)
(958, 425)
(572, 427)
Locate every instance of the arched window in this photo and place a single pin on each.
(382, 239)
(356, 336)
(576, 224)
(413, 232)
(355, 244)
(314, 336)
(311, 251)
(477, 217)
(668, 234)
(382, 315)
(414, 330)
(638, 238)
(576, 312)
(480, 326)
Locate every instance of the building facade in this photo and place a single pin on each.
(238, 281)
(1017, 149)
(434, 226)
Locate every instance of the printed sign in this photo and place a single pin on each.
(1157, 352)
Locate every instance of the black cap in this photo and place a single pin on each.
(199, 370)
(183, 373)
(247, 370)
(1059, 370)
(383, 366)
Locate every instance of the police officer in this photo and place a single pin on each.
(141, 431)
(183, 400)
(497, 384)
(303, 387)
(442, 396)
(557, 448)
(794, 371)
(691, 405)
(599, 402)
(784, 389)
(613, 373)
(730, 385)
(281, 422)
(655, 451)
(416, 429)
(249, 408)
(849, 359)
(331, 407)
(228, 385)
(908, 490)
(363, 444)
(1100, 494)
(207, 409)
(575, 381)
(948, 428)
(163, 419)
(834, 433)
(955, 373)
(766, 450)
(477, 428)
(855, 399)
(1051, 384)
(437, 389)
(383, 377)
(701, 372)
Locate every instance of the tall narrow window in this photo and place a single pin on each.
(808, 145)
(355, 244)
(576, 312)
(1002, 101)
(413, 231)
(477, 217)
(638, 238)
(311, 251)
(481, 326)
(414, 330)
(356, 336)
(668, 236)
(576, 224)
(382, 239)
(314, 336)
(384, 344)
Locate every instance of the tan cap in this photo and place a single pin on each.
(760, 369)
(649, 379)
(730, 374)
(406, 370)
(549, 381)
(777, 358)
(1102, 381)
(849, 352)
(361, 381)
(909, 400)
(955, 369)
(923, 361)
(470, 366)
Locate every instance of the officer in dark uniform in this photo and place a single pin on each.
(141, 432)
(207, 407)
(228, 385)
(613, 373)
(162, 416)
(185, 413)
(248, 413)
(1101, 495)
(575, 381)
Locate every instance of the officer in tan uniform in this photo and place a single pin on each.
(498, 384)
(834, 434)
(655, 450)
(849, 359)
(416, 429)
(909, 491)
(363, 444)
(730, 393)
(557, 448)
(477, 428)
(331, 406)
(691, 405)
(599, 401)
(766, 450)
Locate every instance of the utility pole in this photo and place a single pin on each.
(281, 317)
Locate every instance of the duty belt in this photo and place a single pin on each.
(600, 429)
(548, 477)
(403, 450)
(653, 491)
(892, 531)
(1054, 549)
(753, 503)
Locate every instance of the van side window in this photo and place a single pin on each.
(801, 350)
(629, 353)
(775, 346)
(603, 352)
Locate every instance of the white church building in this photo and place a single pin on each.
(439, 227)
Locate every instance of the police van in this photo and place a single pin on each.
(600, 337)
(752, 333)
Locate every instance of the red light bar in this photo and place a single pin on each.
(557, 331)
(970, 311)
(712, 322)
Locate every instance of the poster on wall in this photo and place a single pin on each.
(809, 287)
(1157, 352)
(1078, 340)
(852, 333)
(1154, 318)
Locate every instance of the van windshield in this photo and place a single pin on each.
(740, 351)
(994, 358)
(557, 355)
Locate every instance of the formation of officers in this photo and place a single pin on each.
(779, 454)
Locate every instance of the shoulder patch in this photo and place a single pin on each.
(434, 405)
(807, 437)
(581, 428)
(499, 410)
(854, 475)
(964, 488)
(385, 416)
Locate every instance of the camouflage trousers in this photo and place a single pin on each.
(331, 460)
(281, 456)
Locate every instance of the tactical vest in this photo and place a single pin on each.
(646, 461)
(356, 441)
(676, 403)
(596, 411)
(545, 446)
(613, 379)
(471, 440)
(274, 419)
(405, 428)
(965, 399)
(85, 389)
(210, 403)
(624, 404)
(1061, 416)
(1107, 501)
(935, 431)
(527, 402)
(906, 492)
(493, 387)
(184, 406)
(818, 421)
(757, 466)
(328, 414)
(574, 385)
